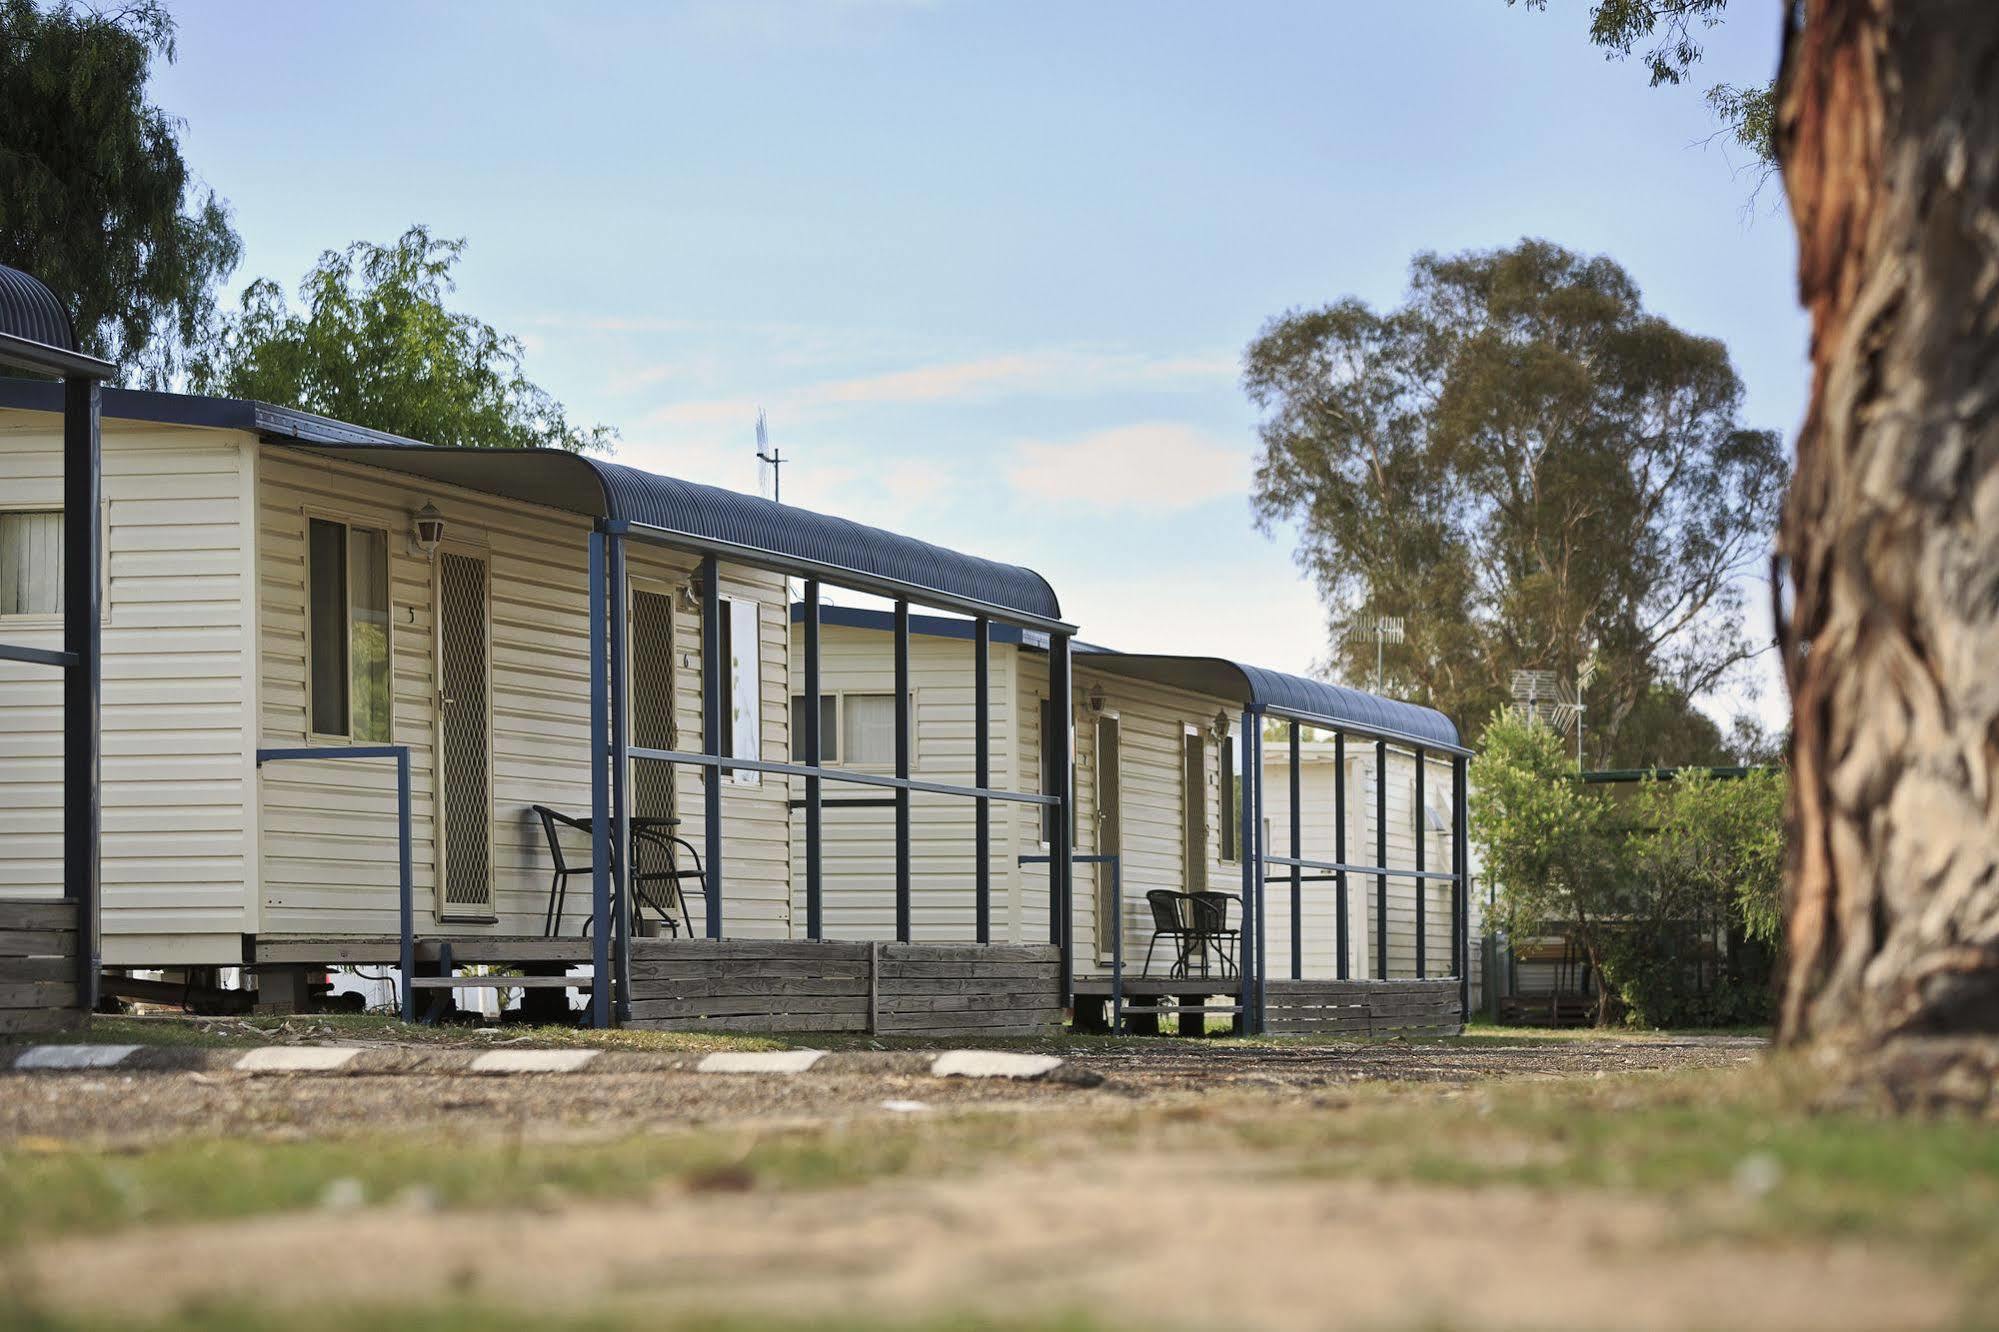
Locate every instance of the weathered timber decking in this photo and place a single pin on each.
(1099, 987)
(38, 967)
(882, 988)
(1363, 1008)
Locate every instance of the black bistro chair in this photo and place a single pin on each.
(657, 873)
(1210, 912)
(1170, 920)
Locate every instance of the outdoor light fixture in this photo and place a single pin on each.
(427, 530)
(690, 597)
(1095, 700)
(1219, 728)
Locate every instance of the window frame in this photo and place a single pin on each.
(1228, 799)
(351, 522)
(29, 621)
(838, 698)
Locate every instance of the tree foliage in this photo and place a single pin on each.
(95, 199)
(1665, 35)
(375, 345)
(1671, 888)
(1522, 461)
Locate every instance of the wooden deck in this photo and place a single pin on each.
(1099, 987)
(38, 991)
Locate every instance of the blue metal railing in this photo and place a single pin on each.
(407, 889)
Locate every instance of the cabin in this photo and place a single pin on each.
(345, 672)
(1171, 758)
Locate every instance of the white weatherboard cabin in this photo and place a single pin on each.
(289, 601)
(1158, 780)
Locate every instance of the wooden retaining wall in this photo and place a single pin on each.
(1363, 1008)
(38, 968)
(957, 990)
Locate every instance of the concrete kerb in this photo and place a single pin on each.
(418, 1061)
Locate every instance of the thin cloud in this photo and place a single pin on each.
(1061, 372)
(1156, 467)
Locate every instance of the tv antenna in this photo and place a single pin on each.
(1541, 696)
(775, 457)
(1385, 629)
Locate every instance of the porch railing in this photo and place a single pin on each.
(406, 903)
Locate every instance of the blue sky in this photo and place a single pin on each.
(990, 267)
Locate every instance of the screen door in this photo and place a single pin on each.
(1110, 798)
(464, 741)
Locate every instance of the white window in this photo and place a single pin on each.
(347, 576)
(31, 562)
(854, 728)
(829, 728)
(742, 662)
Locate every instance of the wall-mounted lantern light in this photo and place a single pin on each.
(1094, 700)
(1219, 727)
(688, 599)
(427, 530)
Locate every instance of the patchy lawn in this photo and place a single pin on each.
(1695, 1198)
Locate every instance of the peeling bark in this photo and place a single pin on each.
(1889, 132)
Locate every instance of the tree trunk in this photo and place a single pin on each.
(1889, 131)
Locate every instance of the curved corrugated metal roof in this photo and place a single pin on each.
(1308, 700)
(702, 517)
(30, 310)
(750, 521)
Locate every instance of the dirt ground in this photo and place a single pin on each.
(125, 1107)
(1100, 1226)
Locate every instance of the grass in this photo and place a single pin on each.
(52, 1187)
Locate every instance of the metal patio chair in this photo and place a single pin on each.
(1210, 915)
(1171, 919)
(656, 879)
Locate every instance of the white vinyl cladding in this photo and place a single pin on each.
(178, 792)
(329, 851)
(859, 844)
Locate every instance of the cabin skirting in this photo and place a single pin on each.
(1363, 1008)
(38, 990)
(887, 989)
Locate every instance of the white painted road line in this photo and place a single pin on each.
(532, 1061)
(759, 1061)
(74, 1056)
(296, 1058)
(991, 1064)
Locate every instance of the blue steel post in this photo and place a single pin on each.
(624, 909)
(902, 893)
(1381, 859)
(1461, 883)
(82, 640)
(714, 697)
(1248, 962)
(1342, 929)
(982, 833)
(1061, 925)
(815, 870)
(1117, 945)
(600, 796)
(1422, 884)
(1297, 875)
(1262, 861)
(405, 881)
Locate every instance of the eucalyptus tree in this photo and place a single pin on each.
(1528, 466)
(1889, 132)
(95, 198)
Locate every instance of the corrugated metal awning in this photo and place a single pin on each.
(684, 514)
(1293, 696)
